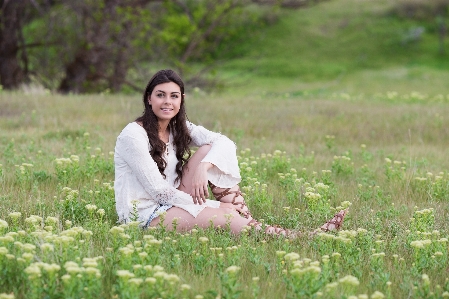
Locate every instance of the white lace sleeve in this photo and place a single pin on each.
(133, 148)
(222, 155)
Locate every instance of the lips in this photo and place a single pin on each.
(167, 109)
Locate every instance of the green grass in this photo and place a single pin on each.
(344, 46)
(329, 88)
(313, 129)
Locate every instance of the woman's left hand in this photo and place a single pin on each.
(199, 191)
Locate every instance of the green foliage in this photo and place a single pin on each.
(177, 34)
(99, 42)
(342, 165)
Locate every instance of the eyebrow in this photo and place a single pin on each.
(165, 92)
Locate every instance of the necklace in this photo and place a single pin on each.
(166, 148)
(167, 144)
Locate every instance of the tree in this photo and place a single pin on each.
(91, 45)
(111, 35)
(106, 29)
(12, 74)
(197, 31)
(15, 15)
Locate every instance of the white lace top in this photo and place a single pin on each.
(138, 180)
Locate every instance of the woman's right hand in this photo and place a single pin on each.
(199, 191)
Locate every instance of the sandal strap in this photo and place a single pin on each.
(237, 193)
(220, 195)
(337, 221)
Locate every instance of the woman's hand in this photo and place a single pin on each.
(199, 191)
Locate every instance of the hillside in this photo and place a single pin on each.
(341, 46)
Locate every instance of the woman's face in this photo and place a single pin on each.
(165, 100)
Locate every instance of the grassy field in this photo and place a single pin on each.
(340, 46)
(384, 155)
(328, 110)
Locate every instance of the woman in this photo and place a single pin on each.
(155, 172)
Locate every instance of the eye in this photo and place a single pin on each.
(160, 95)
(174, 96)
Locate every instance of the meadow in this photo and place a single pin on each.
(343, 46)
(302, 157)
(329, 109)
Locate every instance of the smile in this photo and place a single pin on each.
(167, 109)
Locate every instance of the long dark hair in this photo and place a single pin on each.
(177, 124)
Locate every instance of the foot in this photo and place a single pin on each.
(237, 200)
(335, 223)
(275, 230)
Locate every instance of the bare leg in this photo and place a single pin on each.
(230, 207)
(231, 200)
(218, 216)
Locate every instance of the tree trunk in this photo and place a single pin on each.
(103, 59)
(76, 73)
(119, 72)
(11, 73)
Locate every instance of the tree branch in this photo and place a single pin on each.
(186, 10)
(36, 45)
(195, 41)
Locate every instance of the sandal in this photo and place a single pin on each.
(220, 195)
(274, 230)
(335, 223)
